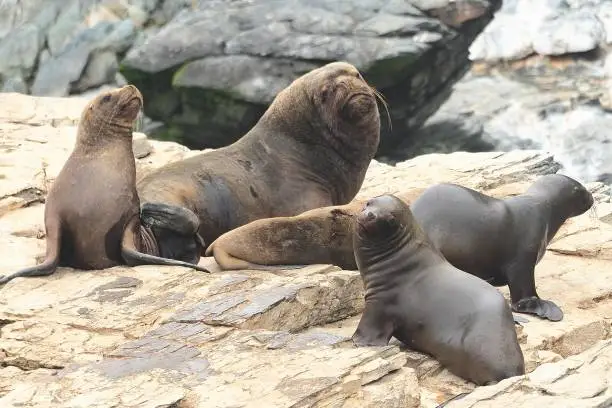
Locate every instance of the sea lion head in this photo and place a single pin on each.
(383, 217)
(342, 96)
(114, 110)
(333, 102)
(570, 193)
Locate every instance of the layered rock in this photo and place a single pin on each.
(541, 80)
(210, 74)
(156, 336)
(60, 47)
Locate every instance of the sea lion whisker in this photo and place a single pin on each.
(382, 100)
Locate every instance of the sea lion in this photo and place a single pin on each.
(501, 241)
(310, 149)
(414, 294)
(318, 236)
(92, 209)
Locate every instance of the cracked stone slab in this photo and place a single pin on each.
(581, 381)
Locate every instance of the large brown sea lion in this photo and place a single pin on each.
(310, 149)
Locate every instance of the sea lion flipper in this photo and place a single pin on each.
(543, 308)
(374, 328)
(52, 256)
(133, 257)
(173, 217)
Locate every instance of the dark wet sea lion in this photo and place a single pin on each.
(501, 241)
(414, 294)
(92, 209)
(310, 149)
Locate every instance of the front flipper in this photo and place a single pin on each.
(175, 231)
(525, 299)
(375, 327)
(52, 257)
(133, 257)
(173, 217)
(543, 308)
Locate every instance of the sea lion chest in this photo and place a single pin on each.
(95, 197)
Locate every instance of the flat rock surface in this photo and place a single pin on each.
(156, 336)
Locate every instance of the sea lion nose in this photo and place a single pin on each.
(370, 215)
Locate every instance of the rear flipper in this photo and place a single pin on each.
(133, 257)
(375, 328)
(228, 262)
(52, 256)
(539, 307)
(175, 230)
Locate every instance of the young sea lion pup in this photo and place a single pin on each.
(414, 294)
(310, 149)
(501, 241)
(92, 209)
(319, 236)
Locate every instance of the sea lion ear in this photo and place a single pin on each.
(171, 217)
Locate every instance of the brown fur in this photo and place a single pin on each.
(310, 149)
(318, 236)
(92, 207)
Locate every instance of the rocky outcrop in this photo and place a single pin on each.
(60, 47)
(540, 80)
(209, 75)
(156, 336)
(547, 28)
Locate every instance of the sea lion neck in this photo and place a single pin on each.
(91, 138)
(407, 248)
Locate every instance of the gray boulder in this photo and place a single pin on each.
(57, 74)
(209, 74)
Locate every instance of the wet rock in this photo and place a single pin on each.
(210, 89)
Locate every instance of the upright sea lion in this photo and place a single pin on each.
(501, 241)
(414, 294)
(310, 149)
(92, 209)
(318, 236)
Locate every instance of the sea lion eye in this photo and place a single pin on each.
(106, 98)
(324, 92)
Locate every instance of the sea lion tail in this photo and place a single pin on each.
(44, 269)
(52, 256)
(132, 257)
